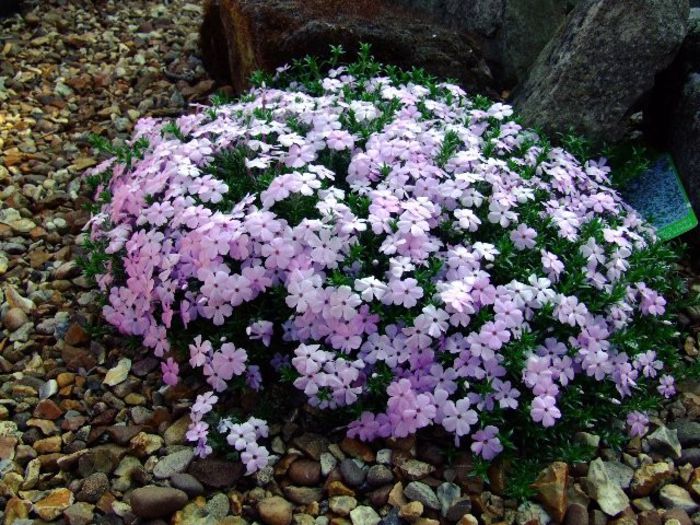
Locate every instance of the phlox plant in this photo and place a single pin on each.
(400, 252)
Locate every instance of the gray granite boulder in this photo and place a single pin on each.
(593, 74)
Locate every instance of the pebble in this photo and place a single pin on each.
(674, 496)
(665, 441)
(187, 483)
(342, 505)
(328, 463)
(119, 373)
(80, 513)
(448, 494)
(305, 472)
(609, 496)
(419, 491)
(14, 319)
(275, 511)
(157, 502)
(354, 471)
(53, 504)
(364, 515)
(576, 514)
(411, 511)
(413, 470)
(173, 463)
(218, 506)
(216, 473)
(379, 475)
(687, 432)
(94, 486)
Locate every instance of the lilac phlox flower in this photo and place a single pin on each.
(523, 237)
(652, 303)
(255, 457)
(551, 265)
(494, 334)
(667, 386)
(404, 292)
(467, 219)
(200, 351)
(170, 370)
(638, 423)
(544, 410)
(570, 311)
(229, 361)
(370, 288)
(506, 395)
(240, 435)
(508, 312)
(366, 428)
(197, 430)
(551, 347)
(260, 331)
(458, 417)
(486, 443)
(203, 405)
(253, 377)
(648, 364)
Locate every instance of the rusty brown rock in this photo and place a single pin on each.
(239, 37)
(551, 489)
(648, 478)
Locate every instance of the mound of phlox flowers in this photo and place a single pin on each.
(393, 248)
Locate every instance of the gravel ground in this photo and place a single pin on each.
(87, 434)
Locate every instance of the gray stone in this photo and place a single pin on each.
(173, 463)
(364, 515)
(531, 512)
(690, 455)
(419, 491)
(187, 483)
(448, 494)
(303, 495)
(460, 507)
(354, 472)
(673, 496)
(576, 514)
(216, 473)
(78, 514)
(599, 65)
(688, 432)
(342, 505)
(218, 506)
(609, 496)
(157, 502)
(619, 473)
(328, 463)
(665, 441)
(94, 486)
(379, 475)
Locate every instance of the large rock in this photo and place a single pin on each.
(594, 72)
(511, 32)
(685, 138)
(241, 36)
(672, 116)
